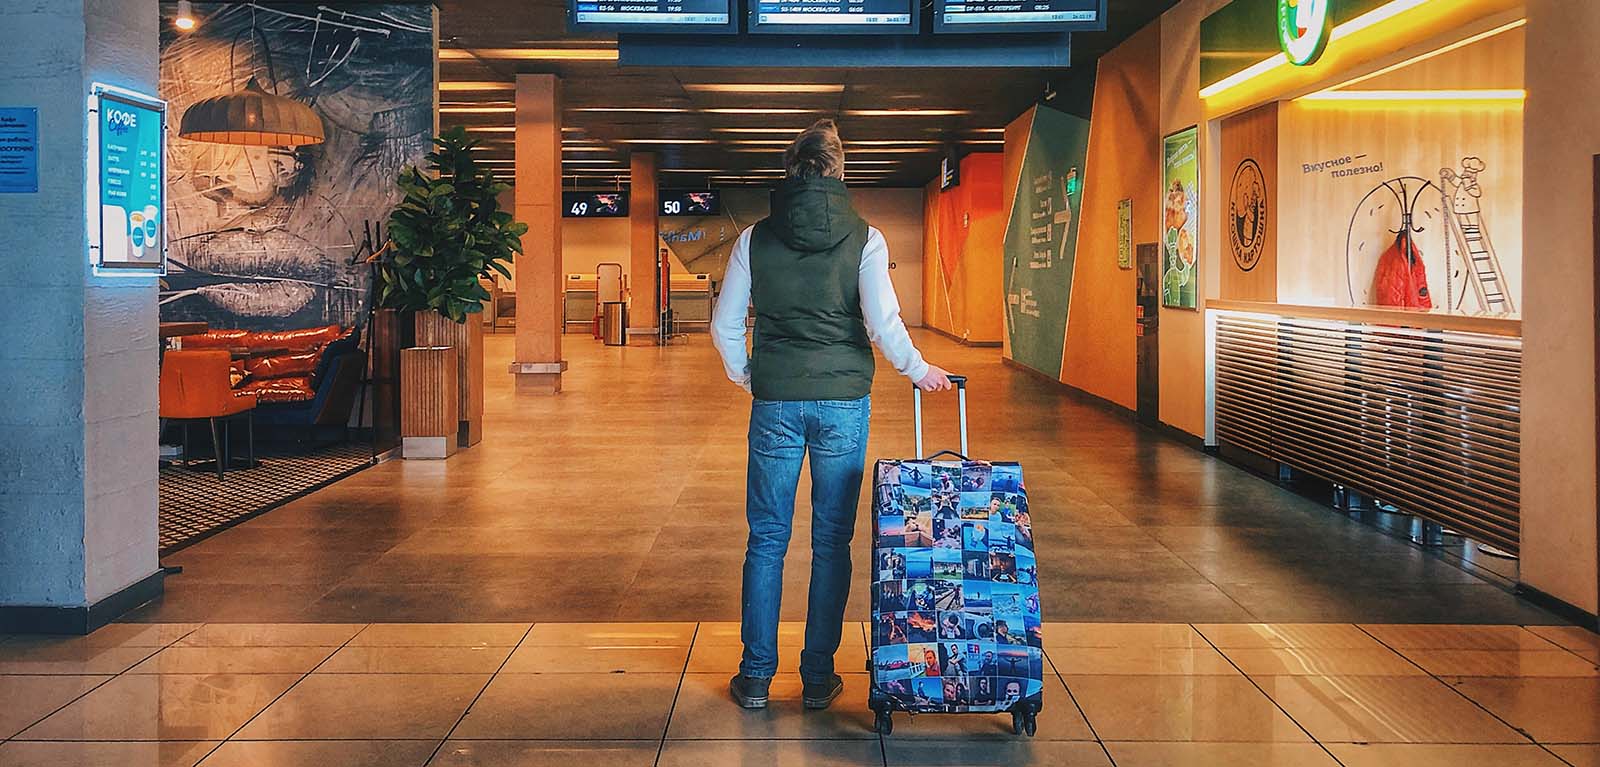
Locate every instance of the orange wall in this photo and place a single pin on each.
(1124, 163)
(964, 236)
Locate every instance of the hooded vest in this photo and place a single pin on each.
(805, 260)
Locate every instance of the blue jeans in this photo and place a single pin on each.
(834, 432)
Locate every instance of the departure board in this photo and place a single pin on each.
(1023, 16)
(809, 17)
(689, 16)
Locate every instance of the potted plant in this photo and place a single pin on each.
(448, 234)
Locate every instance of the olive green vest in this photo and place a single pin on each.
(810, 341)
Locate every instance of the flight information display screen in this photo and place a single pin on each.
(692, 16)
(805, 17)
(594, 204)
(696, 202)
(1019, 15)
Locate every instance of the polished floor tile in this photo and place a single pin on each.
(1512, 663)
(113, 635)
(234, 660)
(271, 635)
(603, 659)
(368, 707)
(1181, 708)
(1549, 710)
(177, 753)
(343, 753)
(1430, 637)
(1120, 635)
(70, 659)
(906, 752)
(1281, 635)
(1441, 755)
(1316, 661)
(1139, 660)
(1190, 754)
(1383, 709)
(440, 635)
(547, 753)
(27, 699)
(724, 658)
(571, 707)
(704, 710)
(1573, 638)
(598, 634)
(775, 753)
(1131, 524)
(1579, 755)
(415, 660)
(727, 633)
(165, 707)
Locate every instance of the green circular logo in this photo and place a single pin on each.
(1303, 28)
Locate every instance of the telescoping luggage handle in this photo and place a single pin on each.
(961, 398)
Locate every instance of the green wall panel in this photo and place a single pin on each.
(1042, 237)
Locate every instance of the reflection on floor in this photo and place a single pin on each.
(194, 503)
(406, 695)
(622, 499)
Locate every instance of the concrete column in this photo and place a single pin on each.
(1561, 138)
(538, 364)
(78, 352)
(643, 207)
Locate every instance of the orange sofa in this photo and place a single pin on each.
(288, 372)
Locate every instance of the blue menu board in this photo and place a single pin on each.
(130, 159)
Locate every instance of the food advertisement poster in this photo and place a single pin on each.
(1180, 218)
(1041, 241)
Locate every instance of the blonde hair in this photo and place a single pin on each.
(815, 153)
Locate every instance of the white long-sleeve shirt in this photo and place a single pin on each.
(880, 310)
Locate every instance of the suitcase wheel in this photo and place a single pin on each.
(1024, 722)
(884, 723)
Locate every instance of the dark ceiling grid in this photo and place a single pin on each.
(990, 98)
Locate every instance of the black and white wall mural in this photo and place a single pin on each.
(270, 238)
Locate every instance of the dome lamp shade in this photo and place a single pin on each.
(251, 117)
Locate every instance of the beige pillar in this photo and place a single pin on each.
(538, 363)
(1561, 144)
(643, 207)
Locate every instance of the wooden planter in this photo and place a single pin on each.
(430, 400)
(434, 329)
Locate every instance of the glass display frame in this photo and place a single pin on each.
(110, 106)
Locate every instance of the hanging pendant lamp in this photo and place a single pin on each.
(251, 117)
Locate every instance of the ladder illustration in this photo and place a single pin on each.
(1465, 215)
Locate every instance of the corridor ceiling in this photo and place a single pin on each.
(717, 135)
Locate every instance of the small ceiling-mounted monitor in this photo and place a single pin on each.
(594, 204)
(834, 17)
(659, 16)
(1028, 16)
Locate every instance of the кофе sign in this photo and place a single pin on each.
(1247, 215)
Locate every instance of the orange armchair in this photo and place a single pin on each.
(195, 385)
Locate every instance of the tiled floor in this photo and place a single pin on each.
(622, 499)
(1130, 695)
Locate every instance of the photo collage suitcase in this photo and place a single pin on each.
(955, 596)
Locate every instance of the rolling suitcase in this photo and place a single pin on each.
(955, 595)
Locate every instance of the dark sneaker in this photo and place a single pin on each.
(819, 695)
(749, 691)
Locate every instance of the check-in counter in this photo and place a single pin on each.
(691, 302)
(1418, 409)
